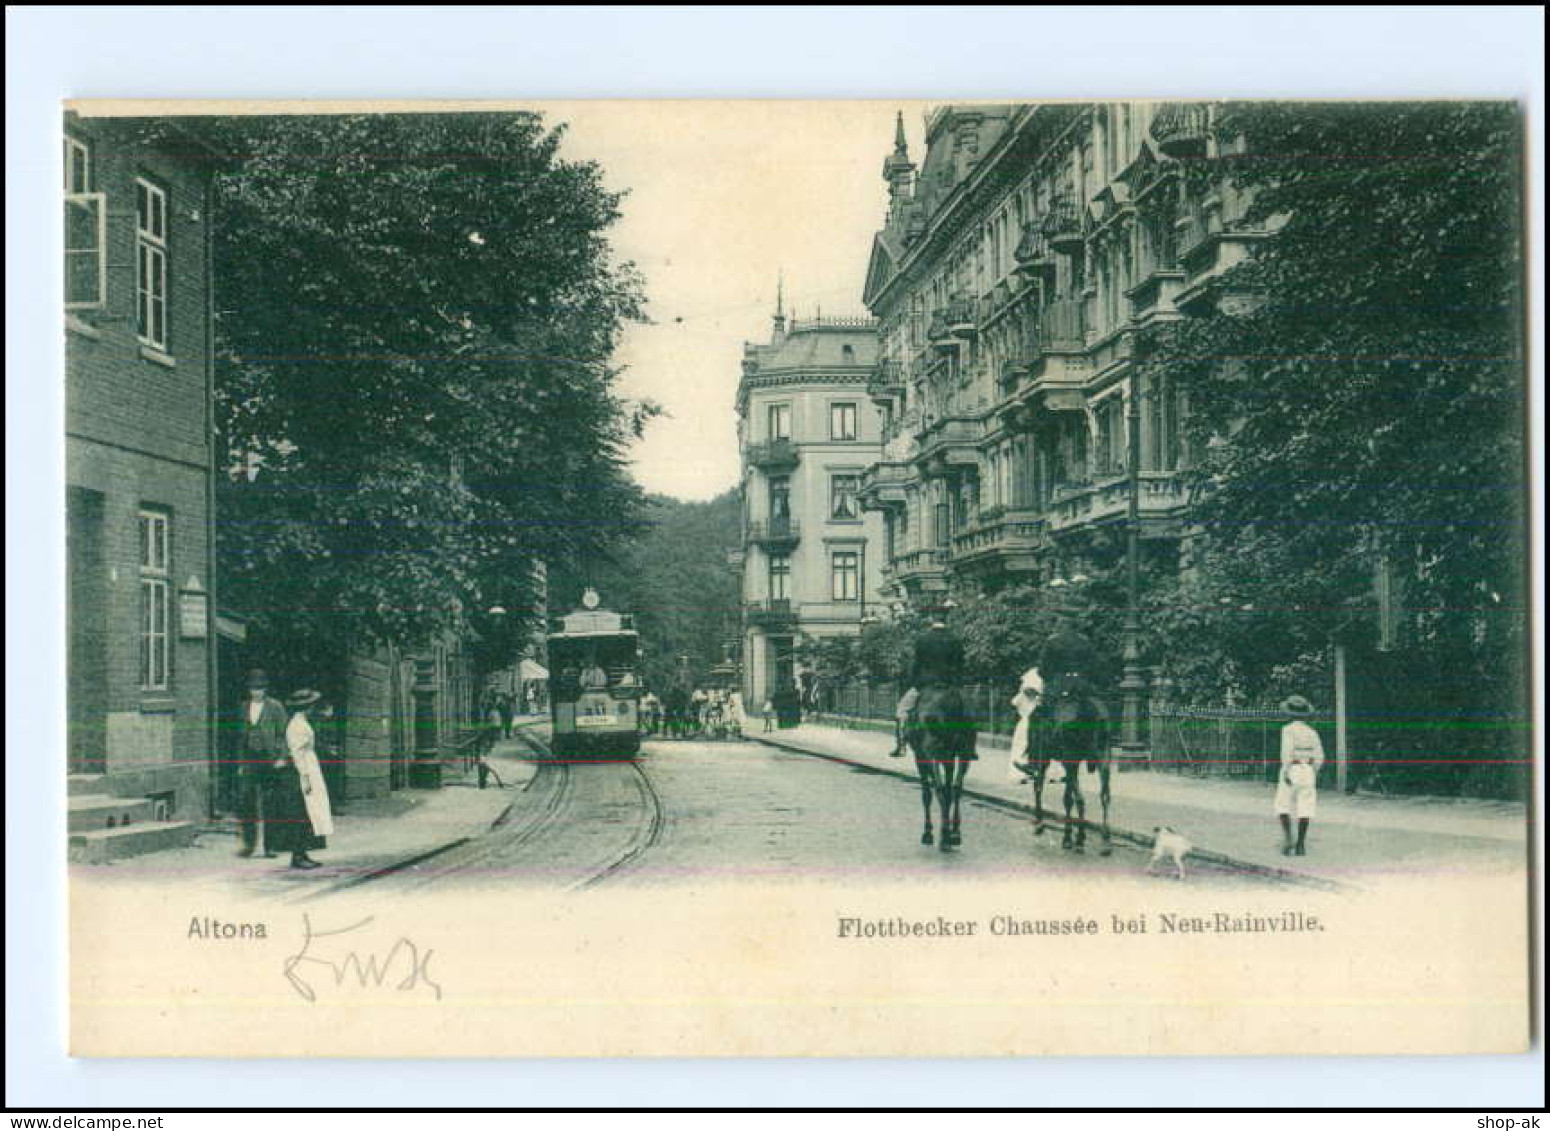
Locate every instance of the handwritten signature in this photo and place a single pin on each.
(404, 960)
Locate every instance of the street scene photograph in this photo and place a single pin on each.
(624, 524)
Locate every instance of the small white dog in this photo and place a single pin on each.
(1169, 844)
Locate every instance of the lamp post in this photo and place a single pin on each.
(1132, 684)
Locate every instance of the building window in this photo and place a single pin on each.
(944, 524)
(155, 599)
(845, 572)
(1109, 458)
(843, 505)
(779, 420)
(842, 422)
(86, 232)
(77, 166)
(151, 264)
(780, 577)
(780, 499)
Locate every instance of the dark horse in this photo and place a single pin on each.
(1071, 727)
(943, 738)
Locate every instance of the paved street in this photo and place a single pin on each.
(693, 812)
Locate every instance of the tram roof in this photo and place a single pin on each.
(592, 623)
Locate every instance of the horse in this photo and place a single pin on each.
(1071, 727)
(943, 739)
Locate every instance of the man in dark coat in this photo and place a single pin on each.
(936, 685)
(1067, 653)
(262, 742)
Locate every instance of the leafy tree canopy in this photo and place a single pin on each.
(416, 318)
(1367, 404)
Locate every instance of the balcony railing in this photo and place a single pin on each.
(775, 532)
(914, 563)
(887, 380)
(1000, 537)
(1062, 226)
(1105, 500)
(773, 613)
(962, 319)
(1033, 253)
(773, 455)
(1181, 128)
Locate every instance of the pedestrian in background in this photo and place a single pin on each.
(1302, 756)
(303, 819)
(504, 705)
(263, 741)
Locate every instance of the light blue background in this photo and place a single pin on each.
(553, 53)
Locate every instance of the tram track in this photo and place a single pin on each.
(558, 829)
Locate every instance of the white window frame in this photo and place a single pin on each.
(75, 146)
(837, 413)
(155, 533)
(851, 576)
(784, 573)
(781, 410)
(96, 203)
(855, 496)
(150, 249)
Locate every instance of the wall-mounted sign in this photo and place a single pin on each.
(193, 614)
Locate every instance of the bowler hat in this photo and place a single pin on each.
(1296, 705)
(258, 679)
(306, 697)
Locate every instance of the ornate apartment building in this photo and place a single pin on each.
(807, 431)
(1015, 266)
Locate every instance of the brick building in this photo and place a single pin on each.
(138, 403)
(1009, 279)
(812, 559)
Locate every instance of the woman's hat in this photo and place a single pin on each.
(1297, 705)
(306, 697)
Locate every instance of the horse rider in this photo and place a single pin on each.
(938, 669)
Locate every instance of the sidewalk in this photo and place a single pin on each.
(368, 835)
(1354, 841)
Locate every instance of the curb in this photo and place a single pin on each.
(1270, 871)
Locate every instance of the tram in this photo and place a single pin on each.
(594, 683)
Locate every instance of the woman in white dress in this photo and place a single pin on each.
(1030, 691)
(1302, 756)
(304, 819)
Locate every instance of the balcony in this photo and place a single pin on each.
(1011, 541)
(886, 382)
(774, 455)
(883, 485)
(1181, 128)
(920, 569)
(772, 615)
(950, 441)
(1013, 370)
(1033, 253)
(776, 535)
(1105, 501)
(1062, 227)
(962, 318)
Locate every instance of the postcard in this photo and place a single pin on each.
(796, 578)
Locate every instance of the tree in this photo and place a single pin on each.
(1364, 411)
(674, 576)
(414, 385)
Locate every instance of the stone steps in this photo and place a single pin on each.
(86, 783)
(102, 846)
(90, 812)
